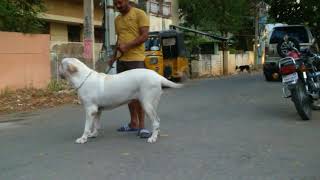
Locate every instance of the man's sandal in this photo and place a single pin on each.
(127, 128)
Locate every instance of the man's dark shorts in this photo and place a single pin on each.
(128, 65)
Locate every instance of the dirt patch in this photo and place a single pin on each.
(30, 99)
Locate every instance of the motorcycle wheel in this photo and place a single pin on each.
(302, 101)
(268, 77)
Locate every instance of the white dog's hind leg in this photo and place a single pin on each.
(155, 125)
(150, 110)
(91, 111)
(96, 125)
(150, 101)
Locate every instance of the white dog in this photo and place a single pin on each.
(98, 91)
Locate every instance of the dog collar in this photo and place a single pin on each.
(84, 81)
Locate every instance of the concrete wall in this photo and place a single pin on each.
(60, 50)
(231, 63)
(71, 49)
(217, 64)
(246, 58)
(208, 64)
(212, 64)
(24, 60)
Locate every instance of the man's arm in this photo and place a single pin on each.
(143, 36)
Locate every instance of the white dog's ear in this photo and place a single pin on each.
(72, 69)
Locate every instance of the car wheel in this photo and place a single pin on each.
(268, 77)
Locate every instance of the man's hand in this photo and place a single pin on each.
(123, 47)
(111, 61)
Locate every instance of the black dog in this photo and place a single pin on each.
(244, 67)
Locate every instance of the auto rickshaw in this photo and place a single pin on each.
(166, 54)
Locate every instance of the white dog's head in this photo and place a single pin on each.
(70, 67)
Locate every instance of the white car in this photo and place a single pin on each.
(301, 38)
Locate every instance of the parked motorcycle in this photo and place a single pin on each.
(300, 72)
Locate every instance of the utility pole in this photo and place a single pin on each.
(109, 25)
(260, 20)
(88, 32)
(256, 35)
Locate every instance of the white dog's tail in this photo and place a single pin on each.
(166, 83)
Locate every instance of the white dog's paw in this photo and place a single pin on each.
(81, 140)
(93, 134)
(152, 139)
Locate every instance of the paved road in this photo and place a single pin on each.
(230, 128)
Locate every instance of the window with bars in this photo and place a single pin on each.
(160, 8)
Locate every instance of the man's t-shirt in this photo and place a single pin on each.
(127, 28)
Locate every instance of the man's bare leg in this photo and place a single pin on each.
(133, 114)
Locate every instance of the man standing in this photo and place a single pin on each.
(132, 28)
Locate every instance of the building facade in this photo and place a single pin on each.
(64, 19)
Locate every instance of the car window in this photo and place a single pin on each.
(299, 33)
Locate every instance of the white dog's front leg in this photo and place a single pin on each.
(96, 125)
(90, 113)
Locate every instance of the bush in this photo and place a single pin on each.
(55, 85)
(5, 92)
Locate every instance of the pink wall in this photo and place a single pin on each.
(24, 60)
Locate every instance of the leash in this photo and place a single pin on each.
(116, 56)
(84, 81)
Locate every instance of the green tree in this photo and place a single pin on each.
(222, 17)
(297, 12)
(190, 12)
(21, 16)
